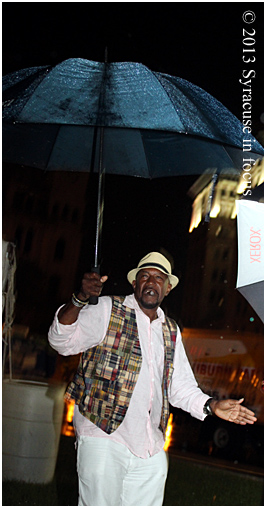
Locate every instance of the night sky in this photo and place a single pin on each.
(200, 42)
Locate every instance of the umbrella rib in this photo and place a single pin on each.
(168, 96)
(146, 158)
(207, 118)
(192, 101)
(54, 142)
(229, 156)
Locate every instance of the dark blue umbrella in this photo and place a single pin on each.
(123, 118)
(155, 125)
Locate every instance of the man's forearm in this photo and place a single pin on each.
(69, 313)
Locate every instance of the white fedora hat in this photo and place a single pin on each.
(154, 260)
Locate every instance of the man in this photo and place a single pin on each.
(133, 364)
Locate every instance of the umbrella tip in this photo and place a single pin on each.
(106, 55)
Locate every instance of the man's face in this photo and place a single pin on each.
(150, 287)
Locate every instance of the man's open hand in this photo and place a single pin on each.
(232, 411)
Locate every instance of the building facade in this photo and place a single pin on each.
(210, 297)
(43, 215)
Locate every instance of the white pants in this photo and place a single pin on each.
(110, 475)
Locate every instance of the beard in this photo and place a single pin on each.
(147, 305)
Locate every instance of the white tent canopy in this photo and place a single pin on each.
(250, 230)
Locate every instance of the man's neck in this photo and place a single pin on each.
(151, 313)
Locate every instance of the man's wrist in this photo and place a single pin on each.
(78, 301)
(209, 406)
(213, 405)
(82, 296)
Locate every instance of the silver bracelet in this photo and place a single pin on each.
(77, 302)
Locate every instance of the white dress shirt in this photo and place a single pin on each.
(139, 430)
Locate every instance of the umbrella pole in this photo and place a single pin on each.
(100, 208)
(100, 203)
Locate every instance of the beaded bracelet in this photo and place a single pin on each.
(77, 302)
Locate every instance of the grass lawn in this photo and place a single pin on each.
(188, 484)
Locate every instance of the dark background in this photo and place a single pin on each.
(200, 42)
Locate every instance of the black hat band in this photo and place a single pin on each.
(155, 265)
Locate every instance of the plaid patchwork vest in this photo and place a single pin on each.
(107, 373)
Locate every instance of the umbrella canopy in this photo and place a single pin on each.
(250, 276)
(155, 125)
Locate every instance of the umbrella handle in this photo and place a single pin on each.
(94, 299)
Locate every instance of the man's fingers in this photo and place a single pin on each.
(242, 415)
(242, 410)
(95, 277)
(91, 276)
(92, 284)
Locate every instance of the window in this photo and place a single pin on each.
(55, 210)
(225, 254)
(29, 204)
(59, 249)
(65, 212)
(41, 209)
(212, 296)
(28, 242)
(18, 200)
(214, 274)
(223, 276)
(75, 215)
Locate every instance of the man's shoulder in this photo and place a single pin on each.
(119, 299)
(172, 323)
(125, 300)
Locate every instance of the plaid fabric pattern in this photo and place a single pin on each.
(107, 374)
(169, 336)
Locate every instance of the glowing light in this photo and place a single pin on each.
(215, 211)
(168, 432)
(196, 215)
(253, 379)
(241, 186)
(67, 429)
(233, 375)
(226, 193)
(233, 213)
(251, 319)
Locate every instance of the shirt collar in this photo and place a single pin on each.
(131, 302)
